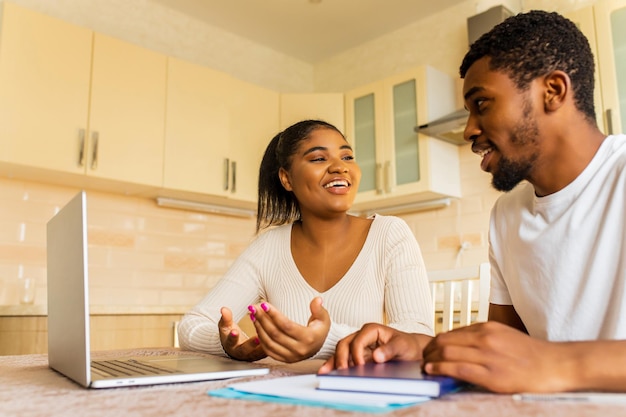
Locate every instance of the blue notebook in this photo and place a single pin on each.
(399, 378)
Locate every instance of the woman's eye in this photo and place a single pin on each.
(349, 158)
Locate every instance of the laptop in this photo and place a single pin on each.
(68, 321)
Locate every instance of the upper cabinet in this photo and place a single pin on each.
(398, 165)
(197, 128)
(254, 121)
(217, 128)
(610, 25)
(77, 102)
(45, 74)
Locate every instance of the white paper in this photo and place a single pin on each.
(304, 387)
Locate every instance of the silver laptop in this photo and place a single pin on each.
(68, 321)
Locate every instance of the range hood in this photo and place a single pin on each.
(449, 128)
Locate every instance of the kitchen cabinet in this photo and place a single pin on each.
(21, 335)
(584, 19)
(254, 121)
(197, 129)
(217, 128)
(328, 107)
(398, 165)
(610, 28)
(79, 102)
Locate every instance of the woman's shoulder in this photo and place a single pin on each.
(382, 220)
(387, 224)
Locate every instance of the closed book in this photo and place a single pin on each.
(404, 378)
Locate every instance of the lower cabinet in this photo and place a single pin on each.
(29, 334)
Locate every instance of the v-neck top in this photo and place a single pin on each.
(387, 283)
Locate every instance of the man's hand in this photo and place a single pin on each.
(500, 358)
(235, 342)
(376, 343)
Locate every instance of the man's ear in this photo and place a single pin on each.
(557, 89)
(283, 175)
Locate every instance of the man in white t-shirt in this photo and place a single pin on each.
(557, 318)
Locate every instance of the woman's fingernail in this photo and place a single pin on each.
(265, 307)
(257, 341)
(251, 309)
(252, 317)
(233, 333)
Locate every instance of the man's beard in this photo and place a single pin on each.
(509, 173)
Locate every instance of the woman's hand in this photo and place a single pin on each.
(286, 341)
(236, 343)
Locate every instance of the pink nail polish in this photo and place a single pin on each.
(251, 309)
(233, 333)
(257, 341)
(265, 307)
(252, 317)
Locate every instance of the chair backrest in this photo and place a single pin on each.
(457, 285)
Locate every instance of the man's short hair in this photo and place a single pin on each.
(533, 44)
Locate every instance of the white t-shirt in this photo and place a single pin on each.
(387, 283)
(560, 260)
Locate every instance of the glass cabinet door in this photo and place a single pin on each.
(365, 140)
(406, 146)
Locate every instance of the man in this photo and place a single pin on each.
(557, 318)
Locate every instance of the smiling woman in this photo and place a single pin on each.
(365, 269)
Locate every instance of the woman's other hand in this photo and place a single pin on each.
(235, 342)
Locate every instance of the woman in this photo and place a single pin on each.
(365, 270)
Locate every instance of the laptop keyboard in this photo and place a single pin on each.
(128, 367)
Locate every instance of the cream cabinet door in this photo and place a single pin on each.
(584, 19)
(254, 121)
(127, 113)
(610, 17)
(44, 90)
(196, 129)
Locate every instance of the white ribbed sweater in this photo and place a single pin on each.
(387, 283)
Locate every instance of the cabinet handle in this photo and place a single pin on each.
(226, 168)
(608, 116)
(94, 154)
(233, 165)
(387, 177)
(81, 149)
(379, 179)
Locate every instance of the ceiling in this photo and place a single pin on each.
(309, 30)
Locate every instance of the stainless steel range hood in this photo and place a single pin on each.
(449, 128)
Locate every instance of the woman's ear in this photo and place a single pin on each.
(283, 175)
(558, 88)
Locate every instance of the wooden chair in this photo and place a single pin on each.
(460, 282)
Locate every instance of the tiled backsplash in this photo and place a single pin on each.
(139, 254)
(142, 255)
